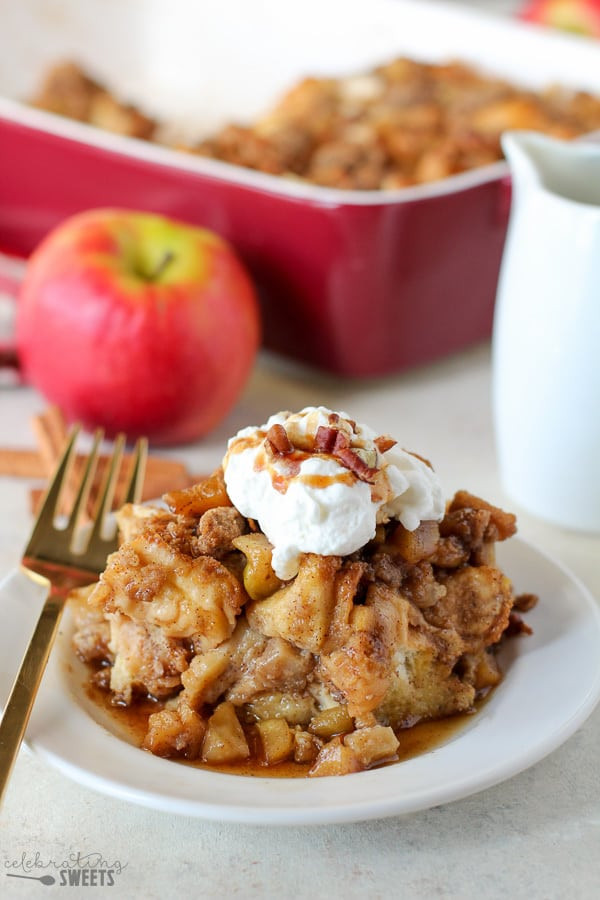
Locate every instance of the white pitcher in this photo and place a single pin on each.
(546, 343)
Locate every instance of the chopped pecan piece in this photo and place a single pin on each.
(325, 439)
(337, 443)
(330, 440)
(384, 443)
(351, 460)
(278, 441)
(334, 418)
(342, 442)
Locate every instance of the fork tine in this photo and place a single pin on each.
(45, 516)
(133, 491)
(51, 559)
(108, 490)
(84, 485)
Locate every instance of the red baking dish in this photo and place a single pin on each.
(354, 282)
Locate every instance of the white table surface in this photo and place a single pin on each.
(535, 836)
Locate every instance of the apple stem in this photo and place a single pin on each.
(167, 258)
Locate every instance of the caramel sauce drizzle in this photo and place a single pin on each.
(290, 461)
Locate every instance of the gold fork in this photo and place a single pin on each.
(62, 559)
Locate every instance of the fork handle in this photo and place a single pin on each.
(22, 696)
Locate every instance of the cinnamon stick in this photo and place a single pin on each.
(35, 498)
(158, 481)
(21, 463)
(50, 431)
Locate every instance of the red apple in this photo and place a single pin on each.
(580, 16)
(137, 323)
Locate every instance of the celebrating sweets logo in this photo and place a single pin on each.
(76, 870)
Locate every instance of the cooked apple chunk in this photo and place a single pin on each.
(416, 545)
(331, 721)
(296, 709)
(306, 747)
(276, 740)
(335, 758)
(175, 732)
(260, 580)
(372, 745)
(224, 741)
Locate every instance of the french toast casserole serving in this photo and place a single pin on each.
(306, 603)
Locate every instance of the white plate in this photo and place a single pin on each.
(551, 686)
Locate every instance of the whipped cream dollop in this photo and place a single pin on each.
(318, 482)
